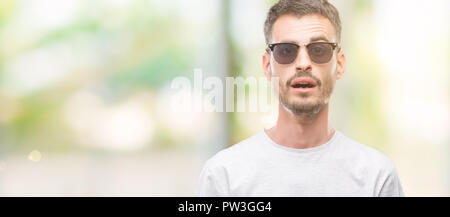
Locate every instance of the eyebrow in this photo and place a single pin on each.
(313, 39)
(289, 41)
(319, 38)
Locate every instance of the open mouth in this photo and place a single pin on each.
(303, 85)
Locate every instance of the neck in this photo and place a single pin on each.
(299, 132)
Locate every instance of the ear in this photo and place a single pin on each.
(341, 61)
(266, 65)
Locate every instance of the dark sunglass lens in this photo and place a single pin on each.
(285, 53)
(320, 52)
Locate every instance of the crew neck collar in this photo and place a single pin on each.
(296, 150)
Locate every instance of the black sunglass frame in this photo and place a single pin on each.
(333, 45)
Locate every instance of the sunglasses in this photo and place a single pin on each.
(319, 52)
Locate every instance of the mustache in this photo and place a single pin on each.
(300, 74)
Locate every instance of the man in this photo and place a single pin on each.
(302, 155)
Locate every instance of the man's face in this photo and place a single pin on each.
(304, 30)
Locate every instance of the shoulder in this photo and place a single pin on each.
(218, 169)
(236, 153)
(365, 155)
(369, 161)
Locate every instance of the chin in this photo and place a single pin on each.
(304, 98)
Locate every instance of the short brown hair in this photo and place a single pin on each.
(301, 8)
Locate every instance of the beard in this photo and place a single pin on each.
(306, 104)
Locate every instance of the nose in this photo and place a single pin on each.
(303, 62)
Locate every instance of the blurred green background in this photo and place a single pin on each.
(85, 91)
